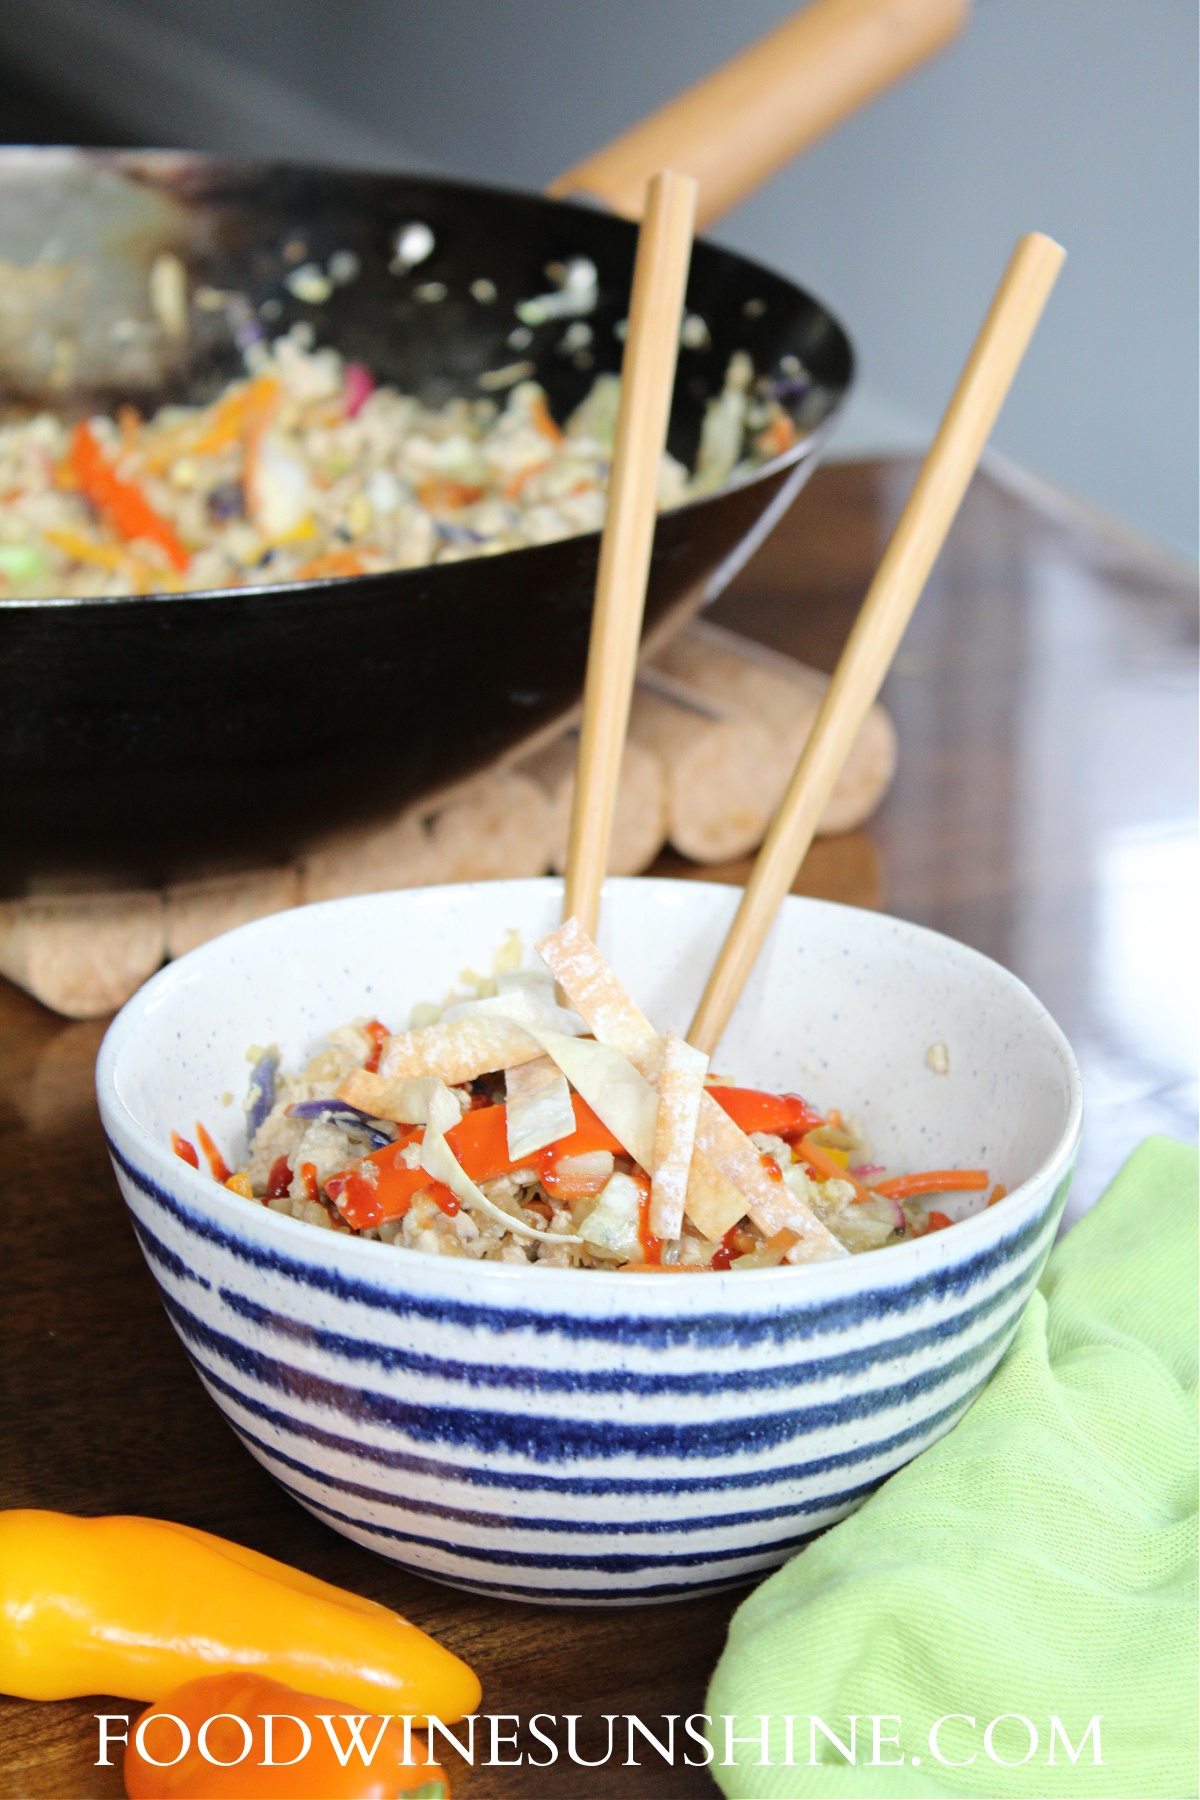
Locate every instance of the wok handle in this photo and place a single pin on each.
(738, 125)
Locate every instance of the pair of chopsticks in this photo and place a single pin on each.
(648, 373)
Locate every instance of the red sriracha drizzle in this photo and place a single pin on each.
(384, 1187)
(183, 1149)
(651, 1246)
(727, 1249)
(280, 1178)
(378, 1035)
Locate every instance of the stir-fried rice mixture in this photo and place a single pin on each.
(502, 1126)
(308, 469)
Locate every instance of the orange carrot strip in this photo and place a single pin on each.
(540, 419)
(248, 407)
(827, 1166)
(661, 1268)
(513, 487)
(82, 549)
(122, 502)
(332, 562)
(442, 495)
(216, 1162)
(932, 1181)
(779, 436)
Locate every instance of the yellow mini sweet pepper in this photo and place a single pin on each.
(134, 1607)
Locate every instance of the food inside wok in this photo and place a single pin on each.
(305, 469)
(148, 735)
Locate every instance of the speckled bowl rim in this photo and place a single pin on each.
(715, 1290)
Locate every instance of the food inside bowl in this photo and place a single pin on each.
(308, 469)
(505, 1126)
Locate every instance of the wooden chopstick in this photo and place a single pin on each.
(891, 599)
(647, 377)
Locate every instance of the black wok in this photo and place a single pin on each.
(149, 738)
(146, 738)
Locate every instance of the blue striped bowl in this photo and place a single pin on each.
(564, 1436)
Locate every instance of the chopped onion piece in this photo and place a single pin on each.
(612, 1224)
(620, 1097)
(589, 1165)
(538, 1107)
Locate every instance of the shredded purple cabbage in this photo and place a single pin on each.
(785, 388)
(341, 1112)
(227, 501)
(261, 1096)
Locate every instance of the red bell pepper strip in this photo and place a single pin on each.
(932, 1181)
(479, 1143)
(589, 1135)
(753, 1110)
(388, 1190)
(184, 1150)
(122, 502)
(384, 1190)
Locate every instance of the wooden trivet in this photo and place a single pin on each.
(717, 725)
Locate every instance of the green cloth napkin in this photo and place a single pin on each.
(1039, 1560)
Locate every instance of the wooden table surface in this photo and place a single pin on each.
(1044, 811)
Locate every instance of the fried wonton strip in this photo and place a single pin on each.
(680, 1086)
(596, 994)
(538, 1107)
(713, 1204)
(438, 1160)
(459, 1051)
(769, 1202)
(620, 1097)
(405, 1102)
(523, 1004)
(599, 998)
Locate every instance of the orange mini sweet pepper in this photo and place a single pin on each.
(241, 1737)
(136, 1607)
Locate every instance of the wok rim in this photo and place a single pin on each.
(778, 466)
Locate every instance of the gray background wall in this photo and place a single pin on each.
(1075, 116)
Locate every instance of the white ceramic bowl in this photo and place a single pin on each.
(573, 1436)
